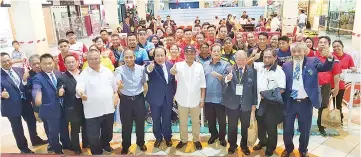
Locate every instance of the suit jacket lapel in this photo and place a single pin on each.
(71, 77)
(168, 67)
(8, 78)
(48, 79)
(304, 65)
(160, 73)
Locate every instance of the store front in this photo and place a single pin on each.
(341, 17)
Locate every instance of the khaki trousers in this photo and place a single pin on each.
(183, 122)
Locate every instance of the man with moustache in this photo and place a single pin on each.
(46, 95)
(132, 78)
(160, 96)
(14, 104)
(270, 76)
(214, 70)
(190, 94)
(145, 44)
(325, 79)
(116, 49)
(97, 88)
(141, 55)
(74, 112)
(240, 99)
(301, 95)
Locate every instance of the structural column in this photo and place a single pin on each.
(289, 18)
(156, 4)
(141, 9)
(111, 13)
(248, 3)
(356, 37)
(201, 3)
(28, 22)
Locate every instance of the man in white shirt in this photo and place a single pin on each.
(76, 46)
(269, 77)
(97, 88)
(302, 20)
(275, 23)
(190, 94)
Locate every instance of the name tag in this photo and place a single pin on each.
(239, 89)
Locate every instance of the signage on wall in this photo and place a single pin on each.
(7, 3)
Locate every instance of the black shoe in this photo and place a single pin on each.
(285, 154)
(212, 139)
(26, 151)
(108, 149)
(50, 150)
(169, 143)
(181, 144)
(198, 145)
(303, 154)
(269, 152)
(125, 151)
(143, 148)
(246, 151)
(61, 152)
(40, 142)
(157, 143)
(323, 132)
(259, 146)
(231, 150)
(223, 143)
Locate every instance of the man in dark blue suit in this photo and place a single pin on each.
(240, 98)
(161, 90)
(45, 94)
(301, 95)
(14, 106)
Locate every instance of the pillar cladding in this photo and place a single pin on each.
(111, 13)
(289, 16)
(356, 37)
(29, 25)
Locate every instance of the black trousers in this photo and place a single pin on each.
(74, 135)
(132, 109)
(18, 130)
(338, 101)
(99, 132)
(213, 113)
(233, 117)
(267, 132)
(325, 94)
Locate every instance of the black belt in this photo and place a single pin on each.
(133, 97)
(301, 100)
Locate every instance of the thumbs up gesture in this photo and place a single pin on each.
(120, 84)
(173, 70)
(5, 94)
(83, 96)
(26, 75)
(151, 66)
(61, 90)
(229, 76)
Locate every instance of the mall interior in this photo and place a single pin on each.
(38, 25)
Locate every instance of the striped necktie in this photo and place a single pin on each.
(296, 77)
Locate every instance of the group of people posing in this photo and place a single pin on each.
(267, 78)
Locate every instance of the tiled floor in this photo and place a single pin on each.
(347, 144)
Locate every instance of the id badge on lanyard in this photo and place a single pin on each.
(239, 87)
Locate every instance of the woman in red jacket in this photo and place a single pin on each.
(346, 63)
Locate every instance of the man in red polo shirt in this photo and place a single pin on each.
(325, 79)
(63, 46)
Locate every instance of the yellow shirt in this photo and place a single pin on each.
(104, 61)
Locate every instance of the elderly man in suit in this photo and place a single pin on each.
(14, 106)
(46, 95)
(240, 99)
(302, 94)
(74, 112)
(160, 96)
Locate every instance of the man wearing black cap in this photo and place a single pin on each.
(76, 46)
(190, 94)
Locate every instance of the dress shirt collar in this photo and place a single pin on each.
(76, 73)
